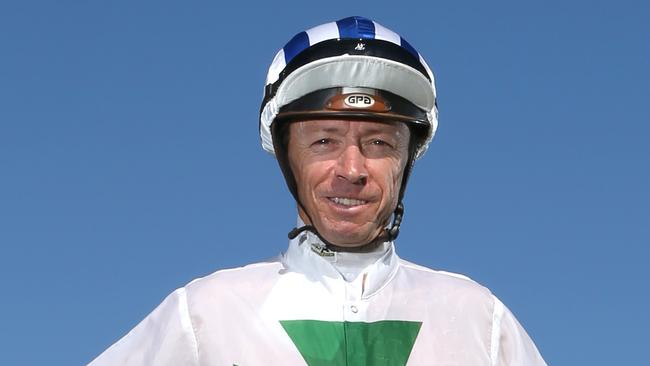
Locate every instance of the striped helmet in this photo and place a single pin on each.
(353, 68)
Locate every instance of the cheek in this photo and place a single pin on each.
(389, 181)
(397, 172)
(395, 183)
(310, 177)
(394, 174)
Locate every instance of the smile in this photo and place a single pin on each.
(347, 201)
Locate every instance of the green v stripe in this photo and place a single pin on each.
(386, 342)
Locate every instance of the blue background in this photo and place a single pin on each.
(130, 162)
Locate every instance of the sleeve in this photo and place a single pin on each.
(164, 337)
(511, 345)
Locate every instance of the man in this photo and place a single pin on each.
(348, 107)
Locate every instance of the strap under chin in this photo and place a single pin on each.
(389, 234)
(297, 230)
(393, 231)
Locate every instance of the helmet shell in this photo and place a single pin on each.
(354, 52)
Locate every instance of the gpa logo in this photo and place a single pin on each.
(359, 101)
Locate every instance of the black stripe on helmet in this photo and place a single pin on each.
(337, 47)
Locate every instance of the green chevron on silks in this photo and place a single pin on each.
(386, 342)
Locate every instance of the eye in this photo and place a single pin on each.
(380, 143)
(323, 141)
(377, 147)
(324, 145)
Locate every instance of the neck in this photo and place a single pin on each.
(349, 262)
(370, 246)
(364, 248)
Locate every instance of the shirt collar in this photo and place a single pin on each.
(308, 255)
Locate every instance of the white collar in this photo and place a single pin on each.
(308, 255)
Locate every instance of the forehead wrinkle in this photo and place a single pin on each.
(380, 128)
(365, 126)
(336, 127)
(333, 129)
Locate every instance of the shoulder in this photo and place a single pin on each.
(251, 278)
(448, 282)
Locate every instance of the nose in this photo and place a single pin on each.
(351, 165)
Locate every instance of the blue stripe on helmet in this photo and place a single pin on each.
(409, 48)
(356, 27)
(297, 44)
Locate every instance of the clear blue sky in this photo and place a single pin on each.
(130, 162)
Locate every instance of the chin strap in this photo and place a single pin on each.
(393, 231)
(297, 230)
(389, 233)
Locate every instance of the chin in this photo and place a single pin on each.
(349, 238)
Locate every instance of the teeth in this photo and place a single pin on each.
(348, 201)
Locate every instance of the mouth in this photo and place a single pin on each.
(348, 202)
